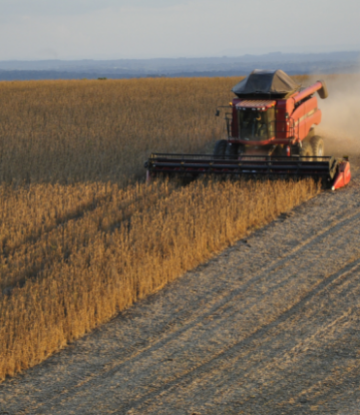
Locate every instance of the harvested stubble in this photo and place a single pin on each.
(125, 245)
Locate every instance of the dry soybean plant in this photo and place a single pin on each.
(72, 276)
(71, 131)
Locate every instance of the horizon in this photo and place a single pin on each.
(270, 54)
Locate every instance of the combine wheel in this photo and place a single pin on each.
(231, 151)
(306, 150)
(310, 135)
(317, 144)
(220, 148)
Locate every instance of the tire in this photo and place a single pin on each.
(317, 144)
(310, 135)
(220, 148)
(306, 150)
(231, 151)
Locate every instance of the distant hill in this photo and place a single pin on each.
(335, 62)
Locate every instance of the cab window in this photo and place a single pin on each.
(256, 125)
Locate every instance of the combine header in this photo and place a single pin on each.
(270, 133)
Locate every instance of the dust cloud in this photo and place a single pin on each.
(340, 126)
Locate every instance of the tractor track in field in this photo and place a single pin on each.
(269, 326)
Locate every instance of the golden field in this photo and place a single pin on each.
(82, 237)
(71, 131)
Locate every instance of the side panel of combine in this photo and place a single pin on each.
(284, 125)
(305, 116)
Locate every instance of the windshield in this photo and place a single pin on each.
(256, 125)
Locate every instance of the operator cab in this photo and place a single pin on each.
(254, 108)
(256, 120)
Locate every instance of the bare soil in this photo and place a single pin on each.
(270, 326)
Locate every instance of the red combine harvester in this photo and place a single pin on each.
(270, 132)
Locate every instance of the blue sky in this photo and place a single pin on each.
(111, 29)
